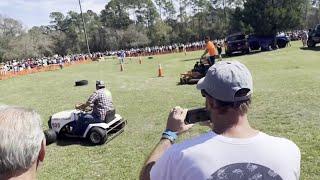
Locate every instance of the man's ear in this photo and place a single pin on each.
(42, 152)
(210, 102)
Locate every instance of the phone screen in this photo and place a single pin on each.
(197, 115)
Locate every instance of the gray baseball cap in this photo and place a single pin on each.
(224, 79)
(100, 83)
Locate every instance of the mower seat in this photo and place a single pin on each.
(110, 116)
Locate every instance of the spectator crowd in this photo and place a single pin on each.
(30, 63)
(154, 50)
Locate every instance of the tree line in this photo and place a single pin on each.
(126, 24)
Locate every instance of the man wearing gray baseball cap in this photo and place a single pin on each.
(233, 149)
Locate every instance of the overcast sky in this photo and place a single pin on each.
(36, 12)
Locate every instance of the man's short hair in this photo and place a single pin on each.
(207, 38)
(241, 106)
(21, 137)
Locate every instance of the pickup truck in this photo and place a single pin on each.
(314, 36)
(266, 42)
(236, 43)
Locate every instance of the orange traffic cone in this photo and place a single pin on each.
(160, 71)
(121, 67)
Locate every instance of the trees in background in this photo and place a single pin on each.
(272, 16)
(35, 43)
(9, 29)
(137, 23)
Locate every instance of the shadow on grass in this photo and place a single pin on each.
(311, 48)
(224, 56)
(67, 141)
(179, 84)
(192, 59)
(188, 83)
(253, 52)
(74, 141)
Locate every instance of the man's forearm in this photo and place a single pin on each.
(83, 106)
(157, 152)
(175, 126)
(205, 52)
(87, 104)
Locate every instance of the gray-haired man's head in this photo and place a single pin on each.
(21, 141)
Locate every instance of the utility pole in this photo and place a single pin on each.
(84, 28)
(306, 14)
(180, 11)
(160, 7)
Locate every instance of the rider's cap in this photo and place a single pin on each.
(100, 83)
(224, 79)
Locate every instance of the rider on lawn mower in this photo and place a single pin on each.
(102, 107)
(201, 68)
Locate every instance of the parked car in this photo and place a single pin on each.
(236, 43)
(282, 41)
(314, 36)
(266, 43)
(254, 43)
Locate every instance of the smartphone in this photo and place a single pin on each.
(197, 115)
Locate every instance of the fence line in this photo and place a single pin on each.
(52, 67)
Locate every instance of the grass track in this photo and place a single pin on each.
(286, 103)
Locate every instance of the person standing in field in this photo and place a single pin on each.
(211, 49)
(219, 48)
(2, 70)
(304, 38)
(122, 57)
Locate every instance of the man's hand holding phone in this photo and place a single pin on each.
(176, 120)
(181, 120)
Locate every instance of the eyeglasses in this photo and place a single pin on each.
(205, 94)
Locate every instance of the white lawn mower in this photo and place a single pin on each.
(64, 124)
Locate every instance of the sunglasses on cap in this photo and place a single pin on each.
(205, 94)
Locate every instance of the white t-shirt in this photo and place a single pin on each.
(211, 156)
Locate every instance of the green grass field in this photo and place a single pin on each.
(285, 103)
